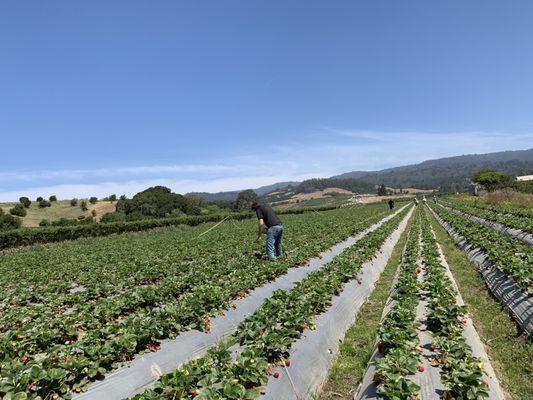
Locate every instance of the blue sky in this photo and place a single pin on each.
(102, 97)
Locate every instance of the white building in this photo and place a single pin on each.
(524, 178)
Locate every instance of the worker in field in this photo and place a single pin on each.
(415, 201)
(391, 204)
(269, 222)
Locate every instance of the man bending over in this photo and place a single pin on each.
(274, 229)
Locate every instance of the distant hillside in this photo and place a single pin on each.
(447, 173)
(232, 195)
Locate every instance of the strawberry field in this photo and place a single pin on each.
(72, 313)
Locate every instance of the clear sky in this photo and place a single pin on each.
(108, 96)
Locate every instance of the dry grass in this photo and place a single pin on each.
(60, 209)
(516, 199)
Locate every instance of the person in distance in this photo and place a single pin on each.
(269, 223)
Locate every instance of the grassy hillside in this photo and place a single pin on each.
(60, 209)
(449, 173)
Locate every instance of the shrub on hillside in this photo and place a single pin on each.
(39, 199)
(8, 222)
(93, 200)
(52, 198)
(44, 204)
(83, 205)
(113, 197)
(74, 202)
(113, 217)
(44, 222)
(18, 210)
(25, 202)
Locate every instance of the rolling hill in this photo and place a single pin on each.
(448, 174)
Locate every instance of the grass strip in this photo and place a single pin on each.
(356, 349)
(510, 352)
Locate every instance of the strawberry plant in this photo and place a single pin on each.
(101, 301)
(462, 373)
(397, 334)
(265, 338)
(510, 255)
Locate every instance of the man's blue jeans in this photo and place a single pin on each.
(273, 242)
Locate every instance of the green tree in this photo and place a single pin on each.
(8, 222)
(245, 199)
(113, 197)
(18, 210)
(83, 205)
(52, 198)
(25, 202)
(382, 190)
(158, 201)
(39, 199)
(74, 202)
(491, 179)
(44, 204)
(93, 200)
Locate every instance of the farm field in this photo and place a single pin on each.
(511, 217)
(426, 343)
(71, 313)
(104, 300)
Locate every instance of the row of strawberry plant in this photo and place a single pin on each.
(513, 221)
(265, 338)
(462, 373)
(48, 347)
(506, 209)
(512, 256)
(397, 336)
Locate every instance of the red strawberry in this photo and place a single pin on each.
(68, 359)
(432, 347)
(287, 363)
(24, 359)
(421, 368)
(276, 375)
(359, 281)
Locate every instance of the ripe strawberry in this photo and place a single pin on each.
(287, 362)
(359, 281)
(276, 375)
(24, 359)
(432, 347)
(68, 359)
(421, 368)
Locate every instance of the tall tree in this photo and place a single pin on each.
(245, 199)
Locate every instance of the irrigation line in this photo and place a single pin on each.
(213, 227)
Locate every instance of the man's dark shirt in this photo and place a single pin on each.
(268, 215)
